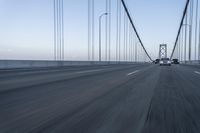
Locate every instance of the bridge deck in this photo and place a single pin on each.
(101, 99)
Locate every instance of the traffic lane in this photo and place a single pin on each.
(28, 69)
(12, 73)
(190, 72)
(120, 75)
(17, 82)
(46, 71)
(189, 68)
(30, 80)
(197, 66)
(29, 109)
(175, 105)
(122, 110)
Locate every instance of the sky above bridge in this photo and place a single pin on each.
(27, 26)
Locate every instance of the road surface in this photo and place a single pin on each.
(101, 99)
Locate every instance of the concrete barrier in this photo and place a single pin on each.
(191, 63)
(12, 64)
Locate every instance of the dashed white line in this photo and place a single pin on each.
(89, 71)
(196, 72)
(132, 73)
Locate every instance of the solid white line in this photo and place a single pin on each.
(197, 72)
(132, 73)
(89, 71)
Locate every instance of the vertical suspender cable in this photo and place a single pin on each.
(185, 47)
(93, 29)
(127, 30)
(58, 30)
(129, 42)
(136, 47)
(190, 29)
(126, 39)
(55, 33)
(117, 32)
(63, 39)
(178, 51)
(109, 8)
(199, 42)
(196, 28)
(59, 23)
(134, 38)
(106, 35)
(132, 45)
(182, 44)
(124, 35)
(89, 28)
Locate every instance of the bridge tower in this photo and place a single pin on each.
(163, 51)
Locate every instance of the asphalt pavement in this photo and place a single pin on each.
(140, 98)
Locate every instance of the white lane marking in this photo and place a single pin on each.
(89, 71)
(132, 73)
(196, 72)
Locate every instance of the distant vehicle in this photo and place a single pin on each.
(165, 61)
(157, 61)
(175, 61)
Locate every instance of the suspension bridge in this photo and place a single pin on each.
(110, 85)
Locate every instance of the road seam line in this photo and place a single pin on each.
(129, 74)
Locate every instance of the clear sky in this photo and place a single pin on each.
(157, 21)
(27, 26)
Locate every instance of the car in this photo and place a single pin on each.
(176, 61)
(165, 62)
(157, 61)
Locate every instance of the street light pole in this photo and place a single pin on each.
(100, 18)
(196, 28)
(190, 30)
(199, 42)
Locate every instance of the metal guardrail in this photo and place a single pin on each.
(12, 64)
